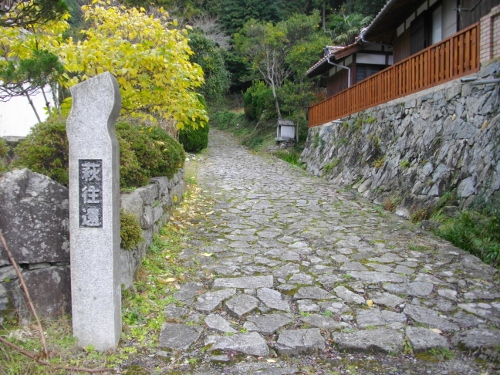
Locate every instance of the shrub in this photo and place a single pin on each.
(130, 230)
(45, 150)
(172, 154)
(4, 152)
(144, 152)
(142, 145)
(194, 140)
(131, 173)
(258, 98)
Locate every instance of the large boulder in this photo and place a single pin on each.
(34, 221)
(34, 215)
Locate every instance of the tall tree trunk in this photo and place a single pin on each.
(276, 103)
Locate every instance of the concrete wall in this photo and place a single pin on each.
(414, 149)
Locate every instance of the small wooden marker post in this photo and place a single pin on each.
(94, 202)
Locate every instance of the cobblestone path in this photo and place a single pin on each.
(311, 279)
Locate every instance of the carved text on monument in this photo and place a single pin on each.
(90, 173)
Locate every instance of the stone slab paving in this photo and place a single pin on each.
(299, 267)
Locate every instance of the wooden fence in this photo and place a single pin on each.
(449, 59)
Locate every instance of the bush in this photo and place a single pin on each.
(4, 152)
(194, 140)
(259, 99)
(131, 173)
(144, 152)
(45, 150)
(172, 153)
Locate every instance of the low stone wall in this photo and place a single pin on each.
(151, 206)
(34, 221)
(411, 151)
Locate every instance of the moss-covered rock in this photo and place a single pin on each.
(130, 231)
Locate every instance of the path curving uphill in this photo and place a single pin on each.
(309, 279)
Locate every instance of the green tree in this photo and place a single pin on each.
(210, 57)
(344, 28)
(233, 14)
(364, 7)
(276, 51)
(27, 14)
(27, 65)
(30, 76)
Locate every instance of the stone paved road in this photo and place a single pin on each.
(296, 266)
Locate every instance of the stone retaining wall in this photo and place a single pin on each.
(411, 151)
(34, 221)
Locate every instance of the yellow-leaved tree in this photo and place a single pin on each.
(149, 57)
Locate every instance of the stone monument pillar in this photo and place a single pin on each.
(94, 202)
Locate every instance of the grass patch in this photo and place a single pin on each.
(379, 163)
(290, 156)
(475, 232)
(329, 167)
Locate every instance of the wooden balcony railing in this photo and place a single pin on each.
(449, 59)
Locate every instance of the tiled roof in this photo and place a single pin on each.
(336, 52)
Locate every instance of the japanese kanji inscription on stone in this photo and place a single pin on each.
(90, 172)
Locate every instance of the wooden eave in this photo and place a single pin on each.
(383, 27)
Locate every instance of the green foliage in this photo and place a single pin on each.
(45, 150)
(130, 230)
(475, 232)
(404, 164)
(172, 153)
(131, 173)
(194, 140)
(144, 152)
(26, 14)
(253, 141)
(420, 214)
(4, 151)
(316, 140)
(366, 8)
(211, 59)
(345, 27)
(295, 97)
(158, 153)
(290, 156)
(258, 101)
(306, 44)
(328, 167)
(26, 76)
(233, 14)
(276, 51)
(225, 120)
